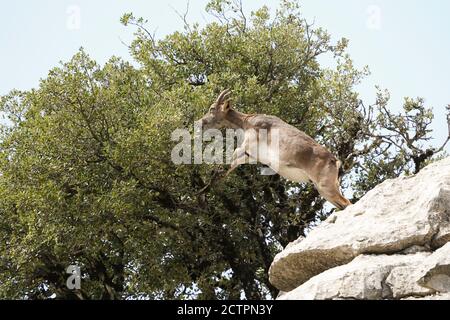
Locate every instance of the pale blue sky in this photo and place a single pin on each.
(407, 48)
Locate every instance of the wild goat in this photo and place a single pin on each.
(298, 157)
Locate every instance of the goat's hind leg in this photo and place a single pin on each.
(333, 195)
(328, 187)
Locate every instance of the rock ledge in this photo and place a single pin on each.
(392, 244)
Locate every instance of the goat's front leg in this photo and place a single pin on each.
(240, 156)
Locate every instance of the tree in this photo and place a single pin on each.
(86, 176)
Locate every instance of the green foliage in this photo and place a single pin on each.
(86, 176)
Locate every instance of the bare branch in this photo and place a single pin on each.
(448, 137)
(448, 119)
(123, 42)
(242, 14)
(183, 16)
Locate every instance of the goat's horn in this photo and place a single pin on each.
(224, 94)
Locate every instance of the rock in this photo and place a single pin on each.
(364, 278)
(443, 236)
(399, 214)
(415, 249)
(434, 272)
(380, 277)
(443, 296)
(293, 243)
(403, 285)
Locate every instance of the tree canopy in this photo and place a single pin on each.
(86, 176)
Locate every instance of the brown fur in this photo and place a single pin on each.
(298, 152)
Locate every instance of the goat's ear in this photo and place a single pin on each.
(226, 106)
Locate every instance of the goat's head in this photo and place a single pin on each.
(216, 116)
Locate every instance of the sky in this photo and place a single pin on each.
(405, 43)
